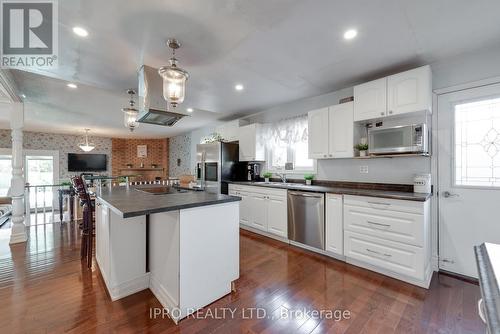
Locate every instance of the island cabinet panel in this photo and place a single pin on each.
(121, 252)
(194, 256)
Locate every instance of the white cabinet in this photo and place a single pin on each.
(409, 91)
(400, 93)
(262, 209)
(370, 100)
(258, 211)
(277, 215)
(341, 131)
(251, 145)
(229, 131)
(334, 227)
(331, 132)
(389, 236)
(318, 133)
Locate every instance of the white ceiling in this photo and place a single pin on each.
(280, 50)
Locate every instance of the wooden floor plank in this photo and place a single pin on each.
(44, 288)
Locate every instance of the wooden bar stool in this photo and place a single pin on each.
(87, 226)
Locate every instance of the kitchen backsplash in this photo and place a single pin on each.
(58, 142)
(180, 155)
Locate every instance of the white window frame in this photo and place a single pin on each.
(281, 170)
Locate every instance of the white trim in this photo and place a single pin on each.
(468, 85)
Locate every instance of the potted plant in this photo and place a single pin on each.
(267, 176)
(362, 148)
(308, 178)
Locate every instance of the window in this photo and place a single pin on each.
(286, 142)
(5, 174)
(477, 143)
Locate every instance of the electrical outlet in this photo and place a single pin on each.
(363, 169)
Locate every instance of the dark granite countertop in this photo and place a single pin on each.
(129, 202)
(336, 189)
(488, 268)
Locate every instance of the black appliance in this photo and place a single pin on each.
(218, 163)
(87, 162)
(253, 171)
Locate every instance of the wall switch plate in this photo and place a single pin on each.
(363, 169)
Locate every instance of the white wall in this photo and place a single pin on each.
(455, 70)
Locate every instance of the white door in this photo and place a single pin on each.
(277, 216)
(318, 133)
(341, 140)
(409, 91)
(469, 175)
(247, 142)
(334, 224)
(370, 100)
(245, 209)
(258, 211)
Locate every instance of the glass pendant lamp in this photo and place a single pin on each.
(174, 78)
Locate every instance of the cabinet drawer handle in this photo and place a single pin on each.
(378, 224)
(324, 156)
(382, 114)
(390, 112)
(378, 253)
(379, 203)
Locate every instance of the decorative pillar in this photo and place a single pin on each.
(18, 231)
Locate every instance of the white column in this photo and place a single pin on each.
(18, 231)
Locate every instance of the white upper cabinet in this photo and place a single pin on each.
(397, 94)
(251, 145)
(341, 132)
(318, 133)
(409, 91)
(370, 100)
(229, 131)
(331, 132)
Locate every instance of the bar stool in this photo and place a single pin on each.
(88, 219)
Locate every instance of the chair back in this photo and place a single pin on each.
(81, 189)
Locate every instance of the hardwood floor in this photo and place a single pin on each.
(45, 289)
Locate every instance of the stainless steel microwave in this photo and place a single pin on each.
(399, 139)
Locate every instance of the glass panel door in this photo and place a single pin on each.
(40, 172)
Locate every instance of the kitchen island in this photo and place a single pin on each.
(182, 245)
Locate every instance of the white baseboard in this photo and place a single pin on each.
(126, 288)
(266, 234)
(435, 263)
(421, 283)
(316, 250)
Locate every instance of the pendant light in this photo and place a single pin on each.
(174, 78)
(130, 113)
(87, 146)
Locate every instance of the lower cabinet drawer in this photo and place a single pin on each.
(387, 224)
(398, 258)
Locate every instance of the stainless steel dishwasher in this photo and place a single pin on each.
(306, 218)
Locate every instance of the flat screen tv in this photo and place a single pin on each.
(87, 162)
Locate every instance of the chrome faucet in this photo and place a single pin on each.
(282, 177)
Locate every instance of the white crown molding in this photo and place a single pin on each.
(8, 88)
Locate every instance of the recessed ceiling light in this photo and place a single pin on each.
(189, 109)
(72, 85)
(239, 87)
(80, 31)
(350, 34)
(23, 96)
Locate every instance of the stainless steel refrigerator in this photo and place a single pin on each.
(216, 164)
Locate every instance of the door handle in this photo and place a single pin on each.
(447, 194)
(378, 224)
(306, 195)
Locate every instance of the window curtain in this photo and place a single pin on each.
(285, 133)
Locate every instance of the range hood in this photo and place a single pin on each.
(153, 108)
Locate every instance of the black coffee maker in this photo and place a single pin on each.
(253, 171)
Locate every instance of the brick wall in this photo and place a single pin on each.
(125, 152)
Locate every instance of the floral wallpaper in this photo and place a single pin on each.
(179, 155)
(63, 143)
